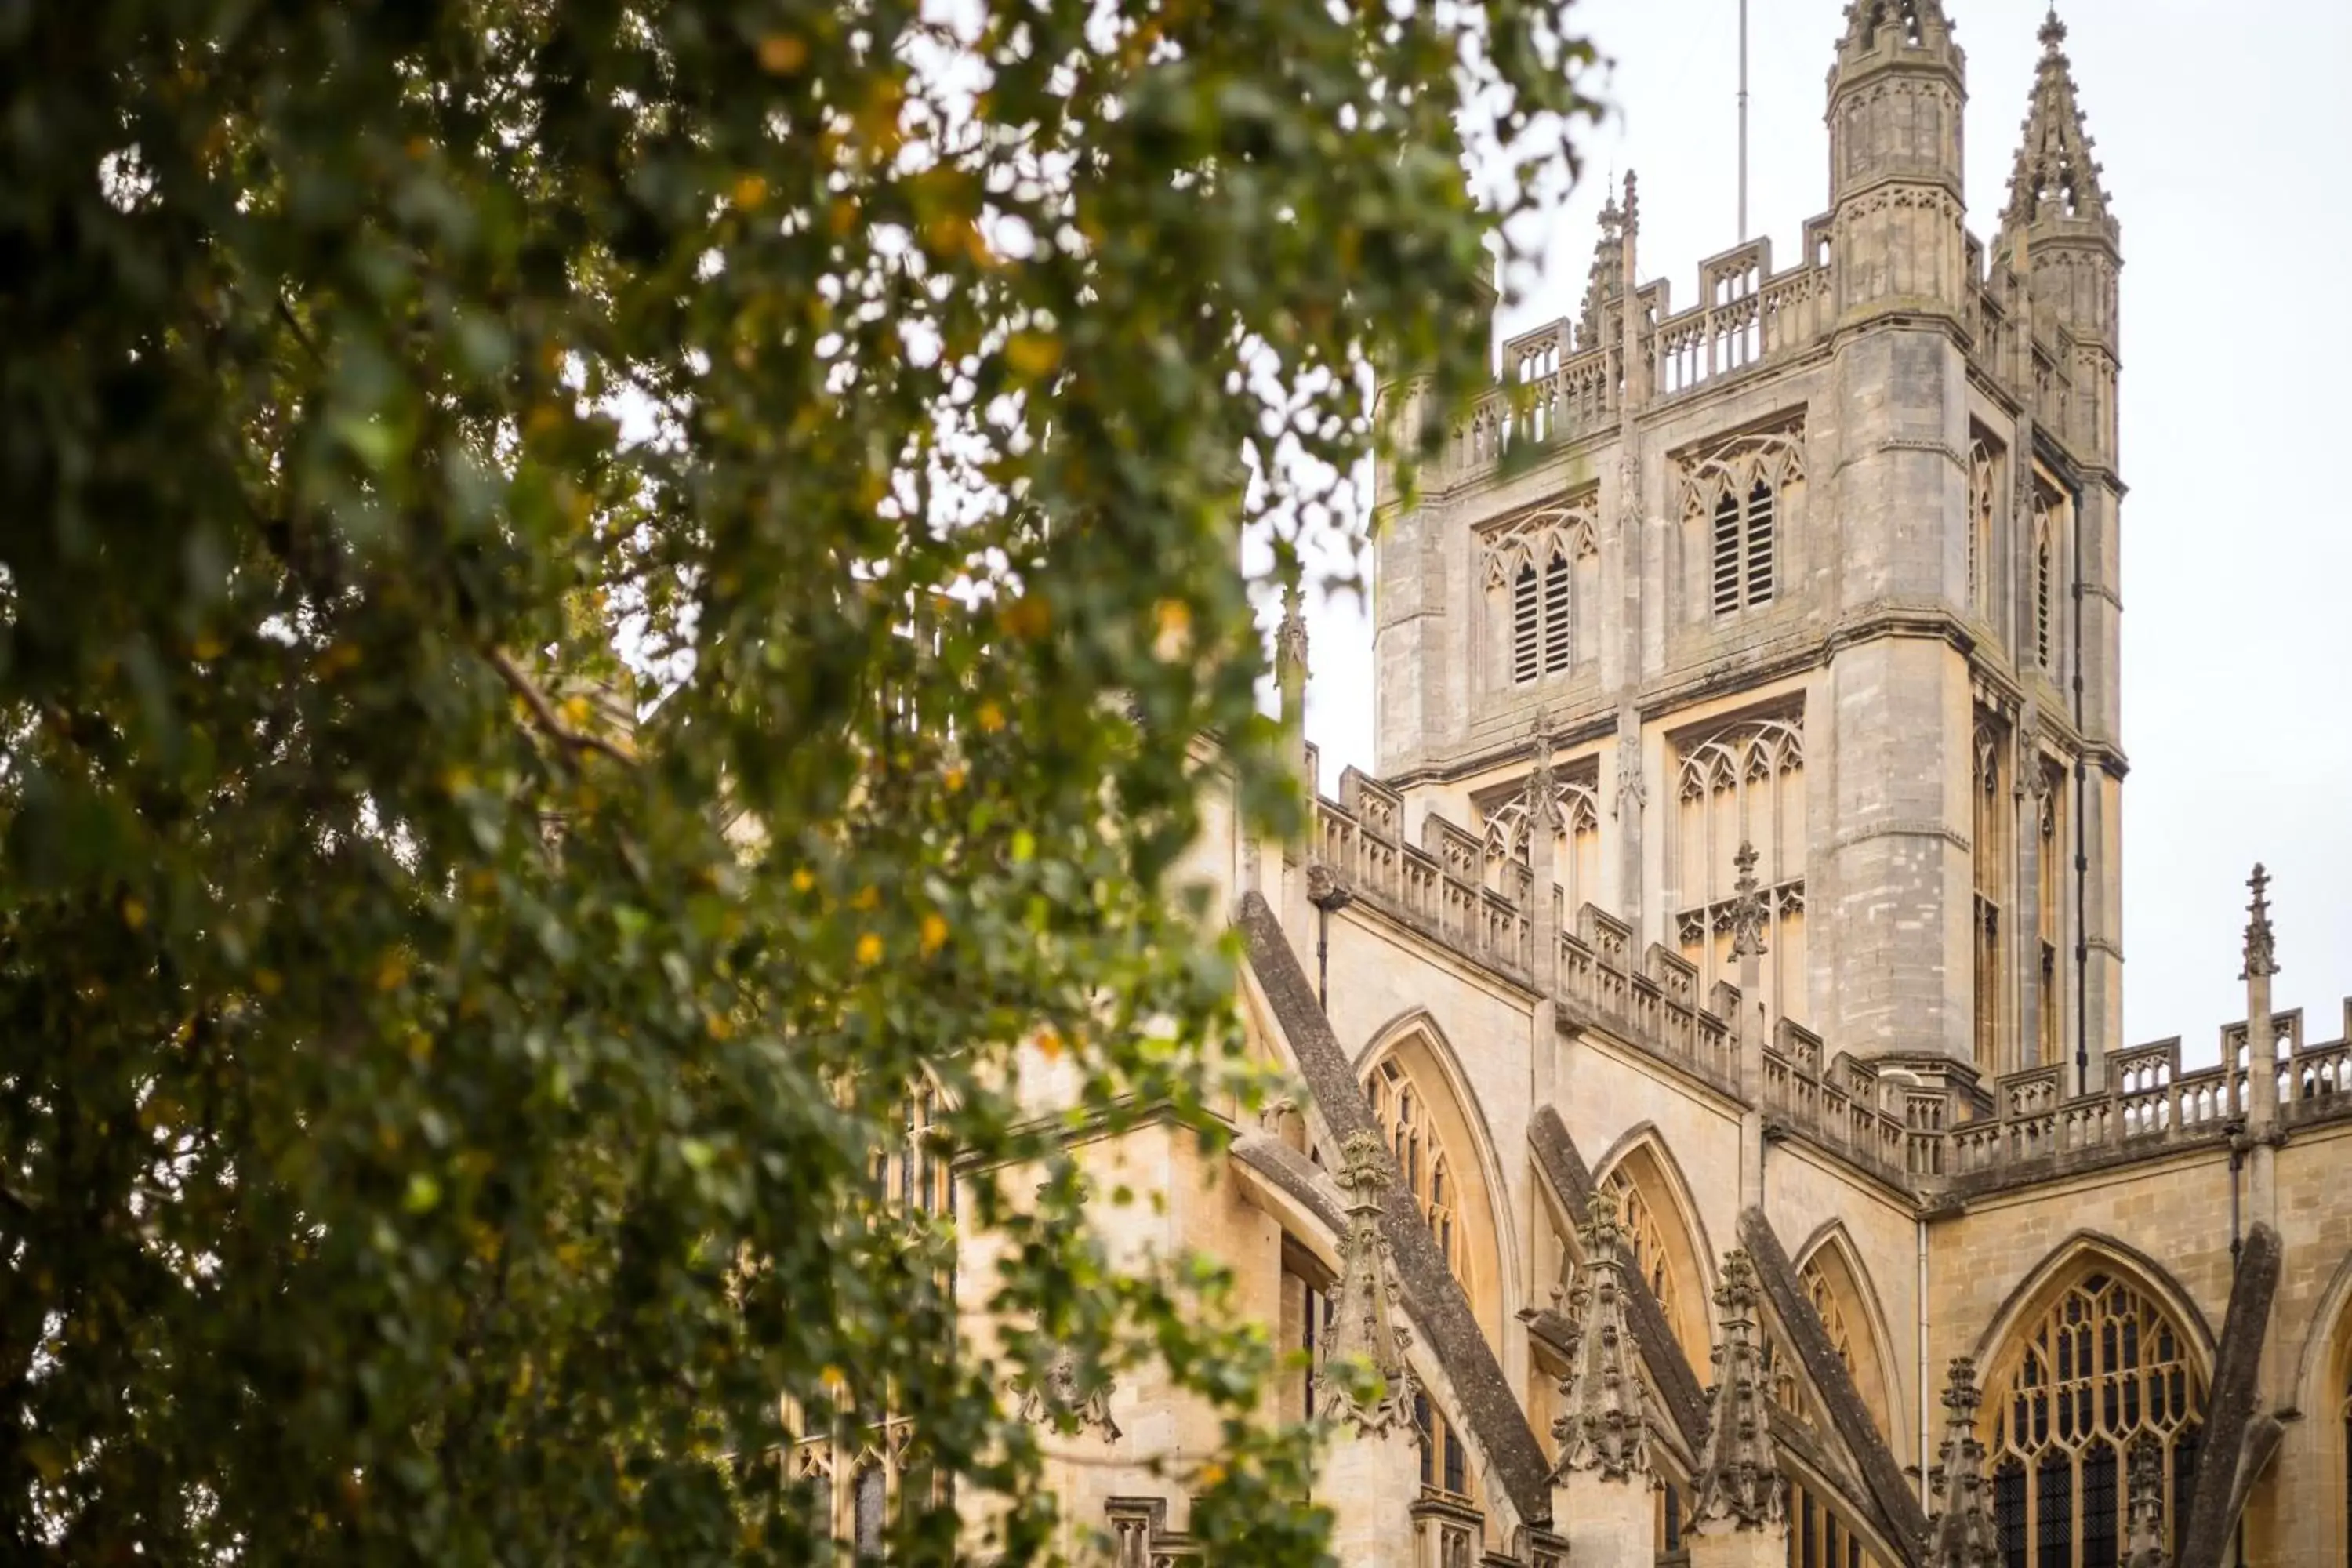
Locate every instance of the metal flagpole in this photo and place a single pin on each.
(1742, 235)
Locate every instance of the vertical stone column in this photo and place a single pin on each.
(1373, 1472)
(1739, 1511)
(2144, 1541)
(1747, 946)
(1285, 866)
(2262, 1107)
(1601, 1488)
(1963, 1535)
(1543, 817)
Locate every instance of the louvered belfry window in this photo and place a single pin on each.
(1744, 528)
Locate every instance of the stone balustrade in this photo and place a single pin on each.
(1925, 1138)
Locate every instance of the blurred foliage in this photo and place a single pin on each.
(439, 1105)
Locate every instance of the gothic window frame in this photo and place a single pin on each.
(1992, 864)
(1528, 569)
(1984, 493)
(1748, 758)
(1737, 497)
(2099, 1360)
(1506, 834)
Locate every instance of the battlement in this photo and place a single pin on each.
(1565, 382)
(1927, 1137)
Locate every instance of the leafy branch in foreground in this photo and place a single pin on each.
(433, 1127)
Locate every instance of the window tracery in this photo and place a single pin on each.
(1739, 493)
(1530, 568)
(2103, 1368)
(2045, 568)
(1743, 783)
(1993, 856)
(1984, 485)
(1576, 857)
(1428, 1175)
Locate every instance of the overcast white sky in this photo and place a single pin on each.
(2226, 130)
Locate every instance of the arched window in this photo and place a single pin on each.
(1984, 485)
(1734, 499)
(2104, 1367)
(1539, 567)
(1429, 1176)
(1743, 783)
(2045, 568)
(1576, 853)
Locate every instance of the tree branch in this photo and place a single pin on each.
(569, 740)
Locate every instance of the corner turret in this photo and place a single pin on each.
(1895, 98)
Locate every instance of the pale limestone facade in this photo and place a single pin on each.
(1825, 565)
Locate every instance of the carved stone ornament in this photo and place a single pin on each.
(1738, 1484)
(1045, 1402)
(1603, 1427)
(1963, 1534)
(1632, 789)
(2262, 946)
(1748, 906)
(1290, 635)
(2143, 1544)
(1364, 1330)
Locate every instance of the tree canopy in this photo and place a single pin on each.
(590, 592)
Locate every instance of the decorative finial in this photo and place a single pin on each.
(1738, 1485)
(1603, 1427)
(1747, 906)
(1633, 201)
(2053, 32)
(2143, 1544)
(1290, 637)
(1963, 1535)
(1364, 1329)
(2261, 947)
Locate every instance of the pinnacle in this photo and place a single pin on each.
(2055, 176)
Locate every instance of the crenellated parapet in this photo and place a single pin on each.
(1923, 1132)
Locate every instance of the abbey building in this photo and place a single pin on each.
(1715, 1121)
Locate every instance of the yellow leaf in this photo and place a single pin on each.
(576, 711)
(1033, 354)
(1212, 1473)
(208, 646)
(1027, 616)
(953, 779)
(135, 913)
(1175, 630)
(392, 973)
(1049, 1043)
(869, 948)
(934, 934)
(268, 982)
(750, 192)
(717, 1025)
(991, 717)
(780, 54)
(832, 1379)
(804, 879)
(337, 659)
(868, 897)
(420, 1047)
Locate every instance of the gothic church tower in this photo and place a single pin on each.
(1822, 561)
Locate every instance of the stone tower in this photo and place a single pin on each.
(1822, 561)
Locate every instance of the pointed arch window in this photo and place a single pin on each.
(1742, 783)
(1734, 498)
(1991, 859)
(2103, 1368)
(1539, 568)
(1984, 486)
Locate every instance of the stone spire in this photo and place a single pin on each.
(1602, 1430)
(1364, 1330)
(2143, 1544)
(2262, 946)
(1738, 1484)
(1964, 1536)
(1606, 282)
(2055, 180)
